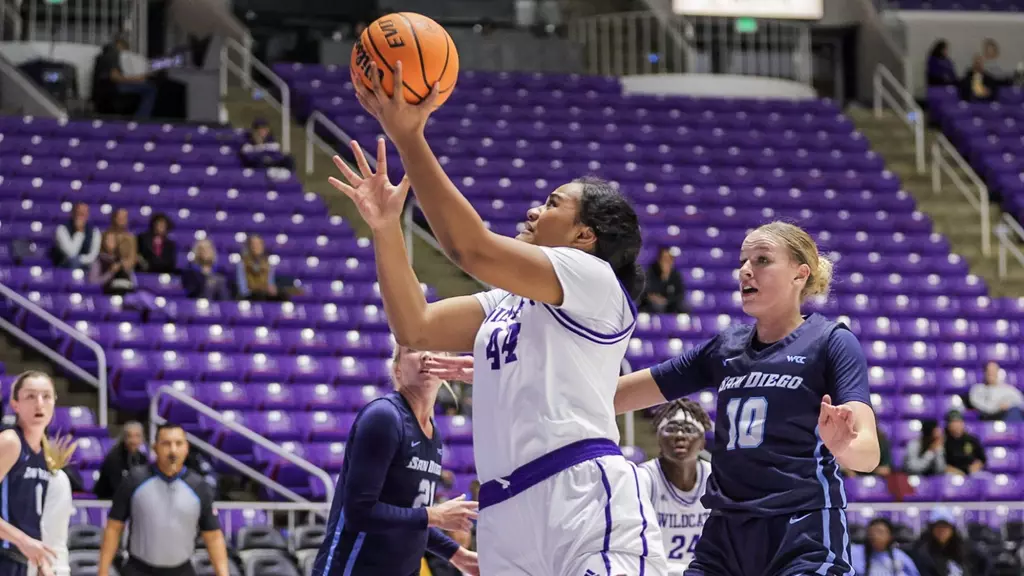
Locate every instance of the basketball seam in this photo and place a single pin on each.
(419, 52)
(448, 42)
(388, 65)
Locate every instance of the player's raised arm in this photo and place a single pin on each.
(447, 326)
(847, 421)
(673, 378)
(499, 261)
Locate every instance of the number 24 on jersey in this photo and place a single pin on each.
(501, 346)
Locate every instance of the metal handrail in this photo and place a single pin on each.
(38, 94)
(318, 117)
(99, 380)
(908, 109)
(1006, 243)
(941, 149)
(205, 410)
(244, 72)
(630, 417)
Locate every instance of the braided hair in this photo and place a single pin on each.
(694, 409)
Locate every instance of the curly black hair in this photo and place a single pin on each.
(685, 404)
(617, 228)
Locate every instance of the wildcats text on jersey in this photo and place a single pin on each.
(670, 520)
(761, 380)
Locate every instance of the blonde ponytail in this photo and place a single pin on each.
(58, 451)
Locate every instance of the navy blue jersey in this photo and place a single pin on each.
(378, 520)
(23, 491)
(767, 457)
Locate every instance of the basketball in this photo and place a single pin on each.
(427, 53)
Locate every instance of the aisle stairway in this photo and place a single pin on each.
(949, 209)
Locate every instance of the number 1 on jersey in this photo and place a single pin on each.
(497, 347)
(746, 422)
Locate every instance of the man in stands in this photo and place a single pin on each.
(964, 452)
(76, 244)
(124, 456)
(994, 399)
(110, 83)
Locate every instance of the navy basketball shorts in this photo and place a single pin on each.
(11, 567)
(804, 544)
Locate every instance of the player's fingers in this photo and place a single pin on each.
(397, 95)
(826, 399)
(382, 157)
(403, 188)
(378, 90)
(364, 166)
(343, 188)
(431, 100)
(347, 172)
(368, 101)
(457, 498)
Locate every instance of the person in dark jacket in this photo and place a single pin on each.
(664, 291)
(941, 70)
(124, 456)
(158, 254)
(261, 149)
(964, 452)
(978, 85)
(201, 279)
(942, 551)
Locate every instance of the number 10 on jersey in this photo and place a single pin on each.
(501, 347)
(746, 422)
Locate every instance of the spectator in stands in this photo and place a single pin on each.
(942, 551)
(254, 275)
(978, 85)
(158, 254)
(880, 555)
(990, 53)
(127, 244)
(261, 150)
(110, 85)
(124, 456)
(76, 244)
(964, 452)
(926, 456)
(111, 270)
(941, 70)
(664, 290)
(200, 279)
(994, 399)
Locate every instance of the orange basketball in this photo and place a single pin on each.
(424, 47)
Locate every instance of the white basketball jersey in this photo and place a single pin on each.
(545, 376)
(680, 514)
(57, 512)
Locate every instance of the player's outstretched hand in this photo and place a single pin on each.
(37, 553)
(380, 202)
(397, 117)
(466, 561)
(835, 424)
(450, 367)
(456, 515)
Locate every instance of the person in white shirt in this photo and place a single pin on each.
(76, 244)
(995, 399)
(557, 497)
(57, 507)
(676, 479)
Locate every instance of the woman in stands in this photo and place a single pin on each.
(58, 508)
(383, 518)
(25, 477)
(557, 496)
(793, 406)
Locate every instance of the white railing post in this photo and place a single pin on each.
(239, 429)
(99, 380)
(904, 104)
(244, 74)
(318, 117)
(944, 158)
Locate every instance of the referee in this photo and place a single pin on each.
(169, 505)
